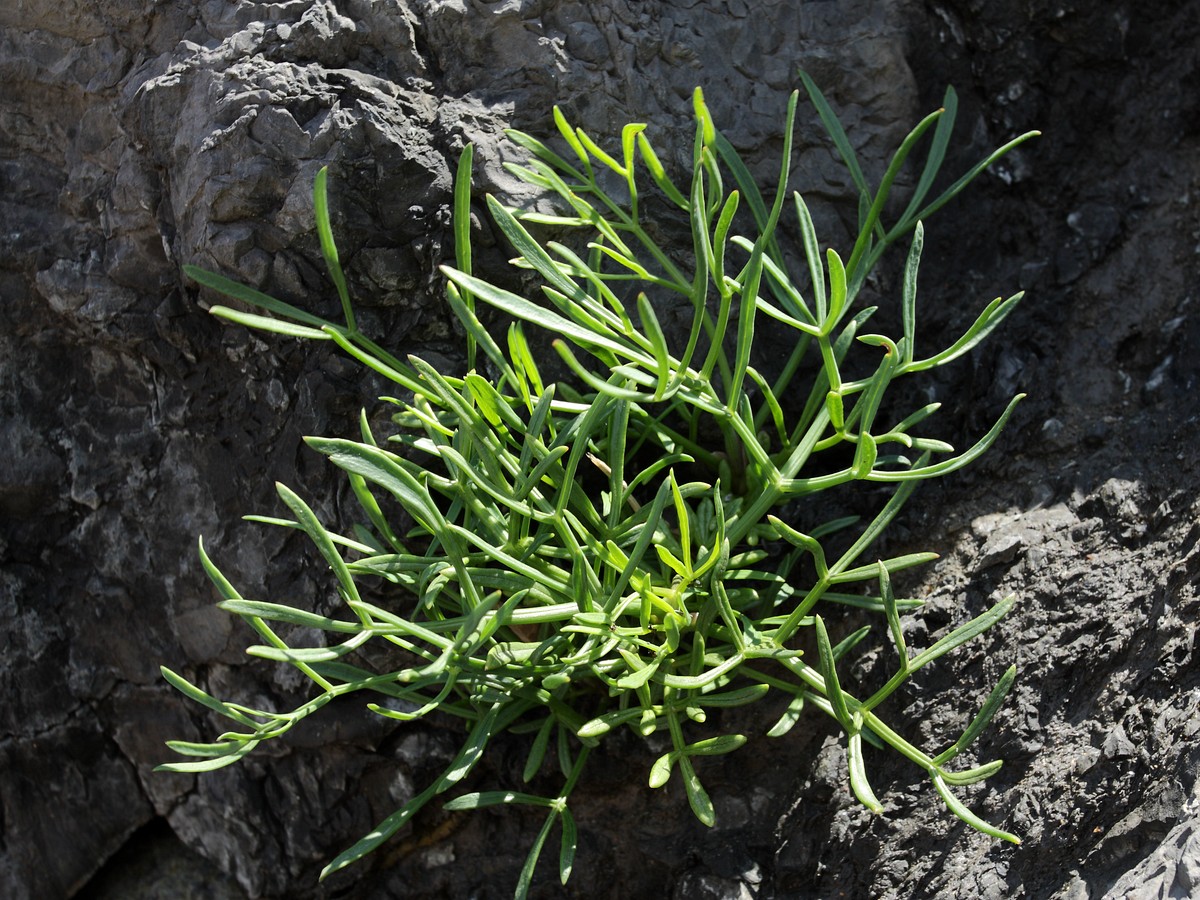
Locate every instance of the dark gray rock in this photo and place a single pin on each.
(139, 136)
(1171, 870)
(155, 865)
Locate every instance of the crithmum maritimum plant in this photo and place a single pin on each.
(617, 551)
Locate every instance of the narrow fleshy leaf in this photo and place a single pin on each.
(964, 633)
(328, 247)
(698, 798)
(266, 323)
(990, 707)
(858, 775)
(833, 689)
(239, 291)
(957, 807)
(570, 840)
(908, 302)
(482, 799)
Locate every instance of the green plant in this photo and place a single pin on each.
(618, 553)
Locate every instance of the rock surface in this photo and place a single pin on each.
(141, 135)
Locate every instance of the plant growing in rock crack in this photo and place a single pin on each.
(617, 552)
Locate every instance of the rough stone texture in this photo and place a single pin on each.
(139, 136)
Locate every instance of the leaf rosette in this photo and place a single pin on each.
(618, 550)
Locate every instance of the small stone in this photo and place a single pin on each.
(1117, 744)
(1001, 548)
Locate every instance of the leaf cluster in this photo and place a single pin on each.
(617, 551)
